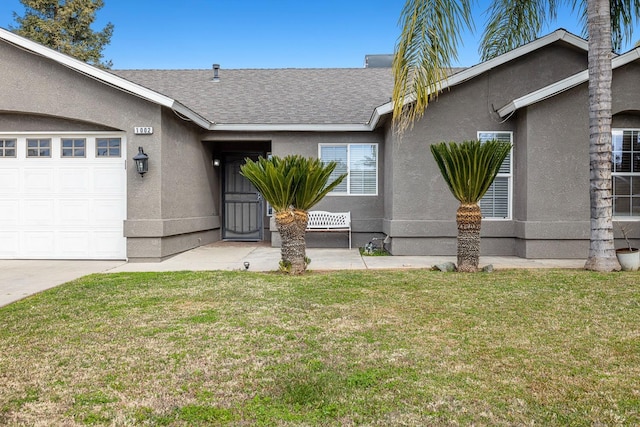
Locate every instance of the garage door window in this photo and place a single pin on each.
(38, 148)
(108, 147)
(73, 147)
(7, 147)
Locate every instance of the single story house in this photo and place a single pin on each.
(69, 132)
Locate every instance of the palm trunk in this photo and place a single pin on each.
(292, 226)
(469, 219)
(601, 248)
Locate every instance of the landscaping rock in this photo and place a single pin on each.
(446, 267)
(487, 268)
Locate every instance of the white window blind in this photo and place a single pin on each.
(496, 203)
(358, 161)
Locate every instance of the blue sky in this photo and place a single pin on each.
(168, 34)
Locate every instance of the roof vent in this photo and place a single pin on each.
(216, 69)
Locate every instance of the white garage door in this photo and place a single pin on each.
(62, 196)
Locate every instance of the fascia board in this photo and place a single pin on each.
(293, 127)
(625, 58)
(378, 113)
(563, 85)
(483, 67)
(101, 75)
(189, 114)
(544, 93)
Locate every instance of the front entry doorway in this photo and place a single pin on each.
(243, 205)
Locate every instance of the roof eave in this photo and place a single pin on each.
(544, 93)
(378, 113)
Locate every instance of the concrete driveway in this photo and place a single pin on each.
(20, 278)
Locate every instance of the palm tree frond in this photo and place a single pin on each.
(426, 48)
(275, 183)
(470, 167)
(514, 23)
(624, 14)
(292, 181)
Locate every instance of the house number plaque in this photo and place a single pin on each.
(143, 130)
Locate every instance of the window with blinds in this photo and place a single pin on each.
(358, 161)
(625, 172)
(496, 203)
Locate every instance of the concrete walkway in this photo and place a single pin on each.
(232, 256)
(20, 278)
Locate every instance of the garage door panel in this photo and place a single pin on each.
(62, 208)
(107, 244)
(9, 244)
(74, 181)
(40, 180)
(106, 211)
(108, 180)
(39, 243)
(74, 213)
(38, 212)
(10, 181)
(73, 244)
(10, 212)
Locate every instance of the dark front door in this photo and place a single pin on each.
(243, 216)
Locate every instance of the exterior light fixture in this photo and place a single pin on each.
(216, 162)
(142, 162)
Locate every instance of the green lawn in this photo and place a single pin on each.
(390, 348)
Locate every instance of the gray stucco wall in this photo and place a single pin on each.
(24, 122)
(165, 214)
(549, 215)
(556, 219)
(551, 189)
(182, 181)
(367, 212)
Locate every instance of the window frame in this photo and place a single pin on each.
(348, 178)
(39, 147)
(73, 148)
(507, 175)
(108, 148)
(615, 174)
(4, 148)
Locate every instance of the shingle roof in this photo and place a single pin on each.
(274, 96)
(343, 98)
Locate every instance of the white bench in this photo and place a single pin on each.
(330, 221)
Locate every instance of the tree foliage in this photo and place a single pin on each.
(292, 181)
(429, 42)
(470, 167)
(292, 185)
(65, 26)
(513, 23)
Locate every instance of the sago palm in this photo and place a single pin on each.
(292, 185)
(469, 169)
(428, 45)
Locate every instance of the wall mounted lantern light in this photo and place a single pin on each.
(142, 162)
(216, 162)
